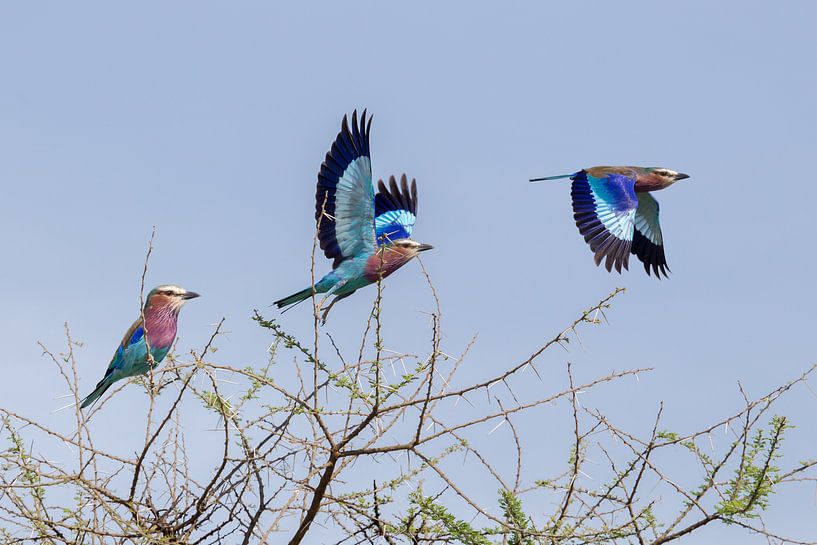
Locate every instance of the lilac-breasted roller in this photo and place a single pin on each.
(617, 215)
(155, 328)
(365, 234)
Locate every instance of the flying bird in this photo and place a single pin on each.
(617, 215)
(154, 329)
(366, 234)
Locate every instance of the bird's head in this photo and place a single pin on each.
(664, 175)
(410, 248)
(392, 256)
(169, 296)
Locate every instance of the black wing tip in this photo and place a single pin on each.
(614, 252)
(363, 125)
(344, 124)
(658, 269)
(357, 132)
(651, 255)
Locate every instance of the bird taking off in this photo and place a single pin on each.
(367, 235)
(617, 215)
(155, 329)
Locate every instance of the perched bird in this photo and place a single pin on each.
(365, 234)
(155, 328)
(617, 215)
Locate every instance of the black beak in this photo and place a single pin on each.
(681, 176)
(424, 247)
(190, 295)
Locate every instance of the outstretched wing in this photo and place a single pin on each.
(648, 244)
(344, 200)
(395, 210)
(604, 205)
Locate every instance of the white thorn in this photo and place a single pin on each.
(497, 426)
(64, 407)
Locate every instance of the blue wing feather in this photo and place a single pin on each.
(344, 200)
(604, 210)
(138, 334)
(395, 210)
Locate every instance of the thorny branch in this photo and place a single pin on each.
(296, 447)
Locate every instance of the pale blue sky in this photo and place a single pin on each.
(210, 120)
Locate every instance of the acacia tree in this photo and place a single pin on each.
(384, 447)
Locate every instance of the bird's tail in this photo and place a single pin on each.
(294, 299)
(546, 178)
(100, 389)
